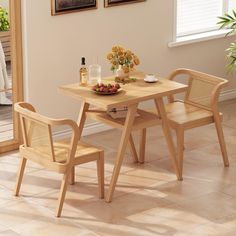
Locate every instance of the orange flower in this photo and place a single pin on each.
(120, 56)
(109, 56)
(128, 52)
(129, 57)
(136, 60)
(114, 48)
(120, 53)
(114, 63)
(122, 59)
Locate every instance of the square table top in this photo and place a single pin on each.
(131, 93)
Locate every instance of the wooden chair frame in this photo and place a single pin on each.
(213, 114)
(27, 112)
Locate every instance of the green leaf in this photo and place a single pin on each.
(234, 13)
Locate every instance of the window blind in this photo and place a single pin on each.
(198, 16)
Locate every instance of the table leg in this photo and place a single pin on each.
(142, 146)
(165, 126)
(121, 150)
(133, 149)
(82, 116)
(81, 120)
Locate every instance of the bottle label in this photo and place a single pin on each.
(83, 76)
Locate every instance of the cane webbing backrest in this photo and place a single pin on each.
(37, 136)
(203, 89)
(200, 91)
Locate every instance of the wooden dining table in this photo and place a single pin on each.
(130, 96)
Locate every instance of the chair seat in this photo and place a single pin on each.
(62, 148)
(180, 113)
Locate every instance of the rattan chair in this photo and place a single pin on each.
(199, 107)
(60, 156)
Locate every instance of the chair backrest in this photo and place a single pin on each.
(37, 134)
(203, 89)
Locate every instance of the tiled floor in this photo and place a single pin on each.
(148, 199)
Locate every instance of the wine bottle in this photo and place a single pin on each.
(83, 73)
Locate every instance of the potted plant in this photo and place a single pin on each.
(4, 19)
(5, 32)
(228, 21)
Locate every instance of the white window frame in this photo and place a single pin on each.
(199, 36)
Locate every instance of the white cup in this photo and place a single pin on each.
(150, 77)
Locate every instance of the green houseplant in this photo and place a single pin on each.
(4, 19)
(228, 21)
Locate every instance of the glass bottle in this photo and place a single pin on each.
(83, 73)
(95, 73)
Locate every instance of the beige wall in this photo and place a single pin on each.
(53, 46)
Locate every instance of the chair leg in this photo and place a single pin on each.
(62, 194)
(180, 148)
(221, 139)
(20, 175)
(72, 176)
(100, 174)
(132, 149)
(142, 146)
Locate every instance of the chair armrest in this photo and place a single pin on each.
(172, 77)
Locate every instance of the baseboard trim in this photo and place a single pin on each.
(227, 95)
(94, 128)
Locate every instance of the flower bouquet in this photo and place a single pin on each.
(122, 61)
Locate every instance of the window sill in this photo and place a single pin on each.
(198, 38)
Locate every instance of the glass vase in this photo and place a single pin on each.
(120, 73)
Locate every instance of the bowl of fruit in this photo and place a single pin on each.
(106, 89)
